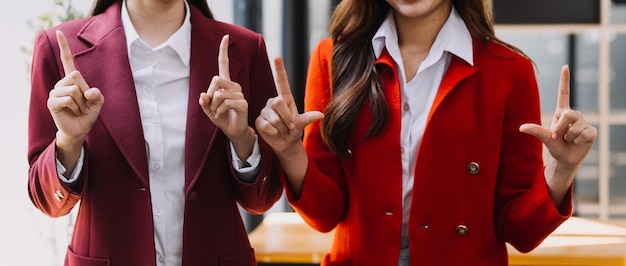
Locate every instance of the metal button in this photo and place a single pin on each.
(462, 230)
(264, 180)
(349, 153)
(473, 168)
(58, 194)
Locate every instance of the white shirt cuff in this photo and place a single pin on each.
(246, 172)
(79, 166)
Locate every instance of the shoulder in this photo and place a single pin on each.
(495, 54)
(324, 48)
(322, 53)
(210, 28)
(497, 60)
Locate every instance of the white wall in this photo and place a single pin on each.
(27, 237)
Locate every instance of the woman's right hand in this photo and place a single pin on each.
(74, 106)
(281, 127)
(279, 123)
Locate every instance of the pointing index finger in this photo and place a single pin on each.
(282, 82)
(222, 58)
(65, 53)
(564, 89)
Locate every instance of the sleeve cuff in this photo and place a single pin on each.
(248, 170)
(76, 173)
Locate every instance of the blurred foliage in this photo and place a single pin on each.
(61, 11)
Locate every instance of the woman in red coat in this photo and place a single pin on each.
(143, 115)
(429, 149)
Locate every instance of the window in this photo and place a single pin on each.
(595, 49)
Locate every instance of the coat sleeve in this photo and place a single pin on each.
(525, 212)
(47, 192)
(259, 195)
(323, 202)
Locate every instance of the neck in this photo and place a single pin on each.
(416, 35)
(156, 20)
(420, 32)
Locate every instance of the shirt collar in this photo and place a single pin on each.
(180, 41)
(454, 37)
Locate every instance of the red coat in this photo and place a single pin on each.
(114, 224)
(461, 215)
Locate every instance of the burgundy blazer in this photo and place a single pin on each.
(478, 183)
(114, 224)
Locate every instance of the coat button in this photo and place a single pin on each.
(58, 194)
(264, 180)
(193, 195)
(473, 168)
(349, 153)
(462, 230)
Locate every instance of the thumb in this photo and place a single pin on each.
(95, 97)
(307, 118)
(536, 131)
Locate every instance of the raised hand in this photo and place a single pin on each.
(570, 137)
(73, 104)
(279, 123)
(569, 140)
(225, 105)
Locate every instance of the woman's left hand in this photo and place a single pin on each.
(569, 140)
(225, 105)
(570, 137)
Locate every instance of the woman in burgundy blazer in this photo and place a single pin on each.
(115, 225)
(479, 177)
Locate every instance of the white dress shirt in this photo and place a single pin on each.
(419, 93)
(161, 76)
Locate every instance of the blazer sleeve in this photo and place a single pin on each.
(323, 202)
(525, 212)
(47, 192)
(259, 195)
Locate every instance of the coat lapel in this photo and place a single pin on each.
(206, 36)
(458, 70)
(105, 65)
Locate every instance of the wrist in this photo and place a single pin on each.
(243, 144)
(67, 143)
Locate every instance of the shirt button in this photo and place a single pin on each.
(406, 107)
(158, 212)
(161, 259)
(156, 167)
(462, 230)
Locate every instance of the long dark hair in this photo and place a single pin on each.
(100, 6)
(355, 79)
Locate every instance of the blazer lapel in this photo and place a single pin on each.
(206, 36)
(105, 65)
(458, 70)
